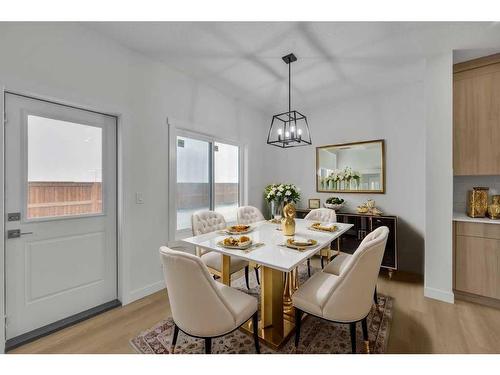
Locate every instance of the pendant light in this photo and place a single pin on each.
(289, 129)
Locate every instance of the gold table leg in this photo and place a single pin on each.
(225, 274)
(275, 326)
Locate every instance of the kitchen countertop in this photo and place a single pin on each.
(461, 216)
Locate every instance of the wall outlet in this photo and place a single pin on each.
(139, 198)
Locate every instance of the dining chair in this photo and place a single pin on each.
(346, 297)
(249, 215)
(203, 222)
(323, 215)
(338, 263)
(202, 307)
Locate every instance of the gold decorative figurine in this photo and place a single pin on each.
(288, 221)
(478, 202)
(494, 208)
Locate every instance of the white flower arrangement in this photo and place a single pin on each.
(343, 175)
(282, 193)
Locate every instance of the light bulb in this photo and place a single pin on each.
(287, 134)
(299, 131)
(292, 129)
(280, 131)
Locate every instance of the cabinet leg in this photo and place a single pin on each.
(390, 274)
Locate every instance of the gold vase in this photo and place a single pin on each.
(494, 208)
(477, 205)
(288, 221)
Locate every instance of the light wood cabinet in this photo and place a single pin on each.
(476, 117)
(477, 259)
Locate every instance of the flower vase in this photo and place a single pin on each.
(331, 185)
(276, 209)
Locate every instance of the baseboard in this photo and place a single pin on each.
(145, 291)
(439, 294)
(487, 301)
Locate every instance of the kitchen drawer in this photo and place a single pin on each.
(478, 230)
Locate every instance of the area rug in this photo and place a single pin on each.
(317, 336)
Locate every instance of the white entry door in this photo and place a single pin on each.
(60, 200)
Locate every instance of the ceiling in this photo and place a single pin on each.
(335, 59)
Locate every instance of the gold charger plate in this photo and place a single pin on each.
(244, 246)
(236, 232)
(318, 229)
(300, 245)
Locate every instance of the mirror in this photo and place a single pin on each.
(351, 168)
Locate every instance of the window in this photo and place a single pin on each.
(208, 178)
(64, 168)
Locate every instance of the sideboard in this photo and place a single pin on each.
(362, 225)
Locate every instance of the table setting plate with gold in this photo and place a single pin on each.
(300, 243)
(236, 243)
(321, 227)
(239, 229)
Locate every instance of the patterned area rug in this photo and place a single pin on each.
(317, 336)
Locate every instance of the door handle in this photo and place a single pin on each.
(16, 233)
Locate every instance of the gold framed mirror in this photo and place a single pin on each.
(351, 167)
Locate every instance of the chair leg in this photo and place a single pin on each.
(246, 278)
(322, 261)
(309, 267)
(257, 275)
(208, 345)
(375, 297)
(364, 326)
(255, 324)
(176, 333)
(298, 323)
(352, 327)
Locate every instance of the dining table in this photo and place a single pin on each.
(278, 266)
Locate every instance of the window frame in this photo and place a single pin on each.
(174, 132)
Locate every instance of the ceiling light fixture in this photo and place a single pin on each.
(289, 129)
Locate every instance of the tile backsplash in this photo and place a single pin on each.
(462, 184)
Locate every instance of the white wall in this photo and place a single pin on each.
(71, 63)
(438, 281)
(396, 115)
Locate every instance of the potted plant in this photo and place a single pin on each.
(334, 203)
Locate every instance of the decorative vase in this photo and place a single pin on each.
(288, 221)
(494, 208)
(478, 202)
(276, 209)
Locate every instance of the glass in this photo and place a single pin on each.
(64, 168)
(226, 172)
(193, 189)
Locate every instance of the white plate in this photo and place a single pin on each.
(243, 246)
(229, 231)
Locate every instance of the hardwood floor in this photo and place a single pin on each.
(419, 325)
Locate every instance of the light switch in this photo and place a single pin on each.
(139, 198)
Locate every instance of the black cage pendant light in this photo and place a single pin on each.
(289, 129)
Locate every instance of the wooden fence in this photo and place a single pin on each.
(47, 199)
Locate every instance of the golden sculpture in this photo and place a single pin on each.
(288, 221)
(478, 202)
(494, 208)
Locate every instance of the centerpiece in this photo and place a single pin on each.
(277, 195)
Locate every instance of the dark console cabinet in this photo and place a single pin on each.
(362, 225)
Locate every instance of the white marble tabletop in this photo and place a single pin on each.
(272, 254)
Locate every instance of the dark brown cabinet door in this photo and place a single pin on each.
(390, 259)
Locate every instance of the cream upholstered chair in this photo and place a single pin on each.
(202, 307)
(323, 215)
(337, 265)
(249, 215)
(346, 297)
(203, 222)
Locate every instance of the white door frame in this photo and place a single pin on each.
(119, 198)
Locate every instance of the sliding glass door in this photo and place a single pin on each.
(207, 178)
